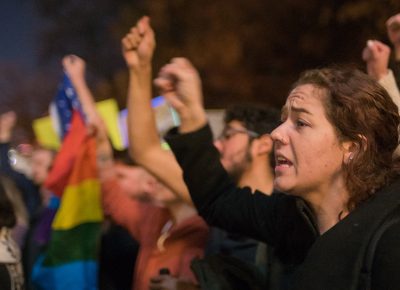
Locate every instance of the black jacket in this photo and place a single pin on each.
(330, 261)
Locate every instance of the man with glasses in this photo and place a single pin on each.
(245, 144)
(245, 148)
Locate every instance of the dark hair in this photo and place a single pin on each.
(361, 111)
(123, 156)
(7, 213)
(258, 118)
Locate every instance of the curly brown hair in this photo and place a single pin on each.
(361, 111)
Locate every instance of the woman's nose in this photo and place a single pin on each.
(277, 135)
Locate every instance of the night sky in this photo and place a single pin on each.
(19, 25)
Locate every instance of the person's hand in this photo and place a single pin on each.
(180, 84)
(138, 44)
(393, 29)
(105, 160)
(376, 55)
(74, 66)
(98, 129)
(7, 123)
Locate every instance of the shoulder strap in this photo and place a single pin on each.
(365, 277)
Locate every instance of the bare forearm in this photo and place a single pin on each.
(142, 128)
(144, 140)
(85, 96)
(105, 160)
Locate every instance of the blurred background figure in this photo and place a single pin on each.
(27, 167)
(169, 236)
(169, 231)
(118, 248)
(376, 55)
(28, 187)
(393, 32)
(21, 227)
(384, 66)
(11, 273)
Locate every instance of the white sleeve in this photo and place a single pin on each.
(389, 83)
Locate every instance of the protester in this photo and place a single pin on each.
(168, 239)
(34, 196)
(376, 56)
(28, 186)
(170, 233)
(333, 156)
(245, 148)
(118, 248)
(11, 274)
(19, 231)
(117, 244)
(71, 226)
(393, 31)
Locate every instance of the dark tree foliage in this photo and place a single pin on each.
(245, 50)
(29, 95)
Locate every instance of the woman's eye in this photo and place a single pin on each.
(300, 123)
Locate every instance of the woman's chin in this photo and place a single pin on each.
(282, 185)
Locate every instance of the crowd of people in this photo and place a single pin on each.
(303, 198)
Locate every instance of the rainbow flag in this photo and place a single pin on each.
(64, 103)
(70, 261)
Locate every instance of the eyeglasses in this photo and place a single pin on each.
(229, 132)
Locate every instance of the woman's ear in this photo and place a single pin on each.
(352, 148)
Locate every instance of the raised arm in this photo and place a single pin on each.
(180, 83)
(393, 30)
(75, 68)
(144, 141)
(376, 56)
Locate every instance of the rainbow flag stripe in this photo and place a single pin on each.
(70, 261)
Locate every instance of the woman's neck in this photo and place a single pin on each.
(326, 219)
(329, 207)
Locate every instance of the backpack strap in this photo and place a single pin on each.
(366, 270)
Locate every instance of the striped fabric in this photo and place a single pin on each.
(70, 259)
(64, 103)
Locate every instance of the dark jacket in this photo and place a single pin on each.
(30, 191)
(330, 261)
